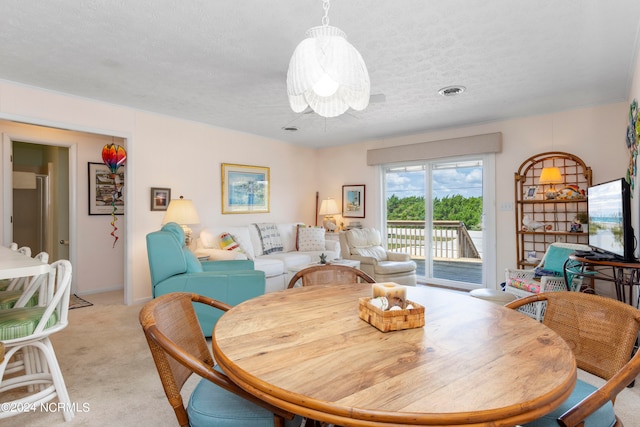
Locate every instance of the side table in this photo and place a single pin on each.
(625, 276)
(332, 236)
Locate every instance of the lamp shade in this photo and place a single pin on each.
(181, 211)
(329, 207)
(550, 176)
(327, 74)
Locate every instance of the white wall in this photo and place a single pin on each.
(161, 152)
(634, 93)
(597, 135)
(186, 157)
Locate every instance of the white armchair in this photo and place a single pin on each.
(365, 245)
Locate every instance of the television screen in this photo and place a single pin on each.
(610, 228)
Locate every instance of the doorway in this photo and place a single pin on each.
(40, 217)
(438, 211)
(90, 246)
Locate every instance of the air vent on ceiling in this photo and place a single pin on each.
(451, 90)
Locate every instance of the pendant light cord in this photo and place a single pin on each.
(325, 18)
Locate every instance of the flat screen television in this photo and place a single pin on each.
(610, 231)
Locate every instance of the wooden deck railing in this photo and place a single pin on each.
(451, 240)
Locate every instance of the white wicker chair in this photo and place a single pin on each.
(19, 283)
(28, 328)
(516, 280)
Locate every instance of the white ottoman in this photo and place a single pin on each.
(493, 295)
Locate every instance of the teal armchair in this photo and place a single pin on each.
(174, 268)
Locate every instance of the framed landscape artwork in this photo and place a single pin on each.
(160, 198)
(353, 201)
(106, 191)
(245, 189)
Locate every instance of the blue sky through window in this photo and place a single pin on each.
(448, 180)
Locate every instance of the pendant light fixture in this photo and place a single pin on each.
(327, 73)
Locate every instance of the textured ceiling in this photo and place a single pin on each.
(225, 62)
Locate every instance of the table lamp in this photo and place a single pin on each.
(328, 208)
(183, 212)
(551, 176)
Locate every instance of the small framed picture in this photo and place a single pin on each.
(160, 198)
(531, 192)
(353, 201)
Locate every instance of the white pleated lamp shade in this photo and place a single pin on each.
(327, 74)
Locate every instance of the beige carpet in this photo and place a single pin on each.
(107, 366)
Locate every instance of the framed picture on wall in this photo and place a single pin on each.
(160, 198)
(353, 201)
(245, 189)
(106, 190)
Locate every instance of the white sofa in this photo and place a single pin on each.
(274, 264)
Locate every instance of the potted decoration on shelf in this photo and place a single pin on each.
(580, 218)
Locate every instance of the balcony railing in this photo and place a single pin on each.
(451, 239)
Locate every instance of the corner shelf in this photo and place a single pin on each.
(556, 214)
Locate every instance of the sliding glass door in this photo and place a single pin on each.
(437, 212)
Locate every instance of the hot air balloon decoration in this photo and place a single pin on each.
(113, 157)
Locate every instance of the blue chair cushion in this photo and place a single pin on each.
(211, 405)
(603, 417)
(555, 258)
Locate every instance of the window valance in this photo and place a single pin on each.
(476, 144)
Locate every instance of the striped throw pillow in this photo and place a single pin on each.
(227, 242)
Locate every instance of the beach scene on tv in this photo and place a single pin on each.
(606, 225)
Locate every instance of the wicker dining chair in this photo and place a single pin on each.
(329, 274)
(179, 349)
(602, 333)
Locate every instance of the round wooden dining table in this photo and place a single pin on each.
(474, 363)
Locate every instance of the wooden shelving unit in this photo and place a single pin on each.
(555, 216)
